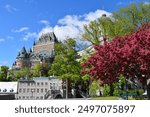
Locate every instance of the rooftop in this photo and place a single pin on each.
(8, 87)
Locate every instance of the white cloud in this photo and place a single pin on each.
(10, 8)
(95, 15)
(63, 32)
(45, 22)
(45, 30)
(2, 39)
(29, 35)
(72, 25)
(22, 29)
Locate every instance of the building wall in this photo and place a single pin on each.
(43, 47)
(41, 50)
(37, 89)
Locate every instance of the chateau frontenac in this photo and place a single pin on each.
(41, 52)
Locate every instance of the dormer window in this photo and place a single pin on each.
(5, 90)
(12, 90)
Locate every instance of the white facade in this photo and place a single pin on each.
(8, 87)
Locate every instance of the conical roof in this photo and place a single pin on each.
(23, 52)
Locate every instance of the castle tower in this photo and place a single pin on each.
(41, 52)
(22, 60)
(43, 49)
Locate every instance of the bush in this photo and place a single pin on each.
(93, 88)
(106, 90)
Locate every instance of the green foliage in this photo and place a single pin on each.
(3, 73)
(92, 33)
(94, 87)
(23, 73)
(133, 15)
(119, 86)
(123, 21)
(106, 90)
(36, 70)
(65, 64)
(41, 70)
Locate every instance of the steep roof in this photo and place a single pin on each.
(47, 37)
(22, 53)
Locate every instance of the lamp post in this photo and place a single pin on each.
(40, 68)
(32, 91)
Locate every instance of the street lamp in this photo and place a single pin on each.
(32, 91)
(40, 68)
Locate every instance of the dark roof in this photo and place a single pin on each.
(47, 37)
(22, 53)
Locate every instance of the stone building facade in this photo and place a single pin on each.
(41, 52)
(40, 88)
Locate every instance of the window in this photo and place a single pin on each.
(41, 97)
(37, 97)
(28, 90)
(42, 83)
(45, 90)
(20, 90)
(19, 97)
(37, 90)
(23, 97)
(24, 90)
(27, 97)
(38, 84)
(41, 90)
(45, 83)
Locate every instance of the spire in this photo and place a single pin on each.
(23, 52)
(30, 50)
(34, 43)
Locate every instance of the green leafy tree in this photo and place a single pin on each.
(3, 73)
(10, 76)
(36, 70)
(41, 70)
(94, 87)
(123, 21)
(45, 69)
(23, 73)
(65, 64)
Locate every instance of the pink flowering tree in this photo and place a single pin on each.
(128, 55)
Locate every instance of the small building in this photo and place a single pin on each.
(8, 90)
(40, 88)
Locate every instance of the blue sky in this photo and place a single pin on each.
(23, 21)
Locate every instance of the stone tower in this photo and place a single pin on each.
(22, 60)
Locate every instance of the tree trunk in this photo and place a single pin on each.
(148, 89)
(66, 88)
(111, 90)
